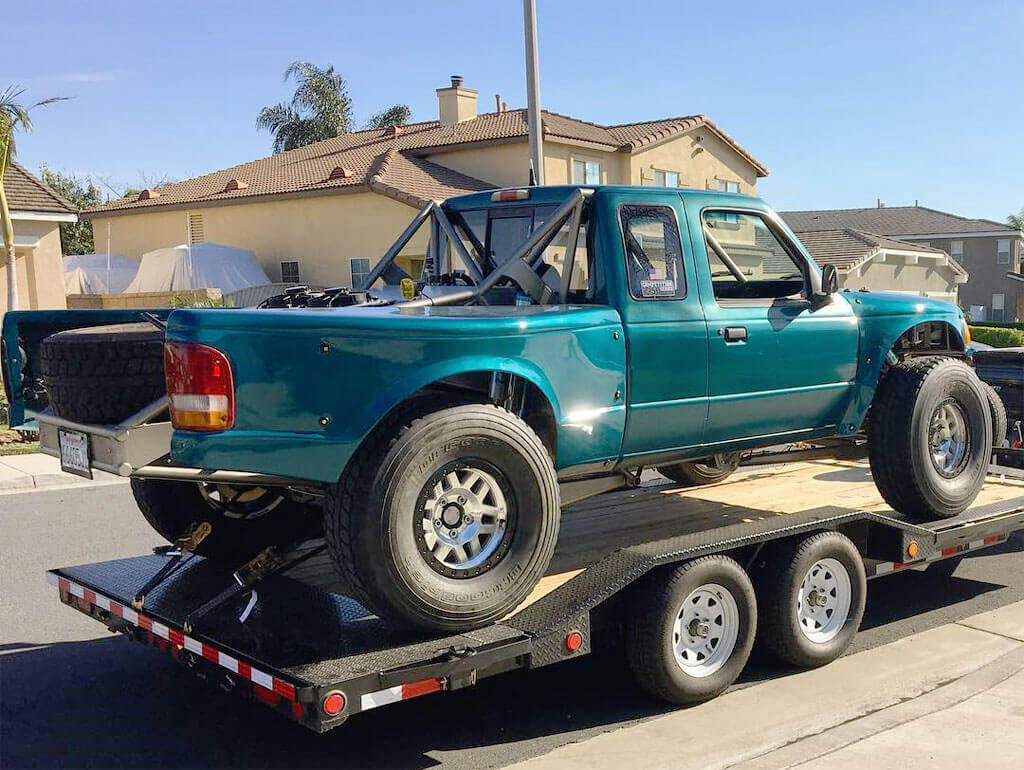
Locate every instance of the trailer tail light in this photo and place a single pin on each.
(510, 195)
(199, 387)
(573, 641)
(333, 703)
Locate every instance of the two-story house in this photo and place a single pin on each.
(990, 252)
(324, 213)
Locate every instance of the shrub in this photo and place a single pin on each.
(997, 337)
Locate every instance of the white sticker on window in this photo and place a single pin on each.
(653, 288)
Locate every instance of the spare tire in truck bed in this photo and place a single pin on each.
(103, 374)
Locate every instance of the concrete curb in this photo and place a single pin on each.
(796, 718)
(26, 473)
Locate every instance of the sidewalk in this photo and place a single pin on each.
(949, 697)
(24, 473)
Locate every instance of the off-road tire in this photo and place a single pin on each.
(649, 642)
(697, 474)
(370, 516)
(778, 580)
(898, 437)
(998, 410)
(103, 374)
(171, 506)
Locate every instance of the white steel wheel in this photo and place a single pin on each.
(691, 629)
(823, 601)
(810, 598)
(705, 630)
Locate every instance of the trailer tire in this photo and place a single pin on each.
(698, 474)
(103, 374)
(238, 533)
(398, 561)
(825, 567)
(675, 615)
(997, 408)
(929, 437)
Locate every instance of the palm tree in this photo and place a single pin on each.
(396, 115)
(320, 108)
(13, 115)
(1016, 220)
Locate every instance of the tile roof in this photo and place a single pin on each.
(847, 248)
(392, 164)
(890, 220)
(26, 193)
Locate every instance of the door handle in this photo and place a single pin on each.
(734, 333)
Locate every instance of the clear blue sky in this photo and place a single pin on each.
(844, 102)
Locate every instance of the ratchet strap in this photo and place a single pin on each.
(181, 553)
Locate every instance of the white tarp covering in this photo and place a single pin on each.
(200, 266)
(88, 273)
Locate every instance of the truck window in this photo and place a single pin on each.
(654, 255)
(747, 259)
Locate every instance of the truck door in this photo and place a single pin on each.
(781, 363)
(664, 323)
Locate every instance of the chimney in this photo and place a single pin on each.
(456, 104)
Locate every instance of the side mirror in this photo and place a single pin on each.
(829, 280)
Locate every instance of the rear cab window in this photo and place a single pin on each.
(654, 254)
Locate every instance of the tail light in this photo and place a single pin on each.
(199, 387)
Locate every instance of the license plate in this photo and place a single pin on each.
(74, 452)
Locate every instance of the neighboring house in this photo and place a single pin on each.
(36, 212)
(877, 263)
(323, 214)
(990, 252)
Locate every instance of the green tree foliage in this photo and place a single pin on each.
(75, 237)
(1016, 220)
(396, 115)
(320, 108)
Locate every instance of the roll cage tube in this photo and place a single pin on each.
(521, 265)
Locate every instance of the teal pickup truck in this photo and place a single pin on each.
(559, 340)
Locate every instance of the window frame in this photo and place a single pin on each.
(664, 173)
(1009, 251)
(806, 295)
(574, 159)
(625, 255)
(958, 256)
(352, 272)
(719, 181)
(298, 271)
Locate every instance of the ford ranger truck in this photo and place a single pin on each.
(559, 340)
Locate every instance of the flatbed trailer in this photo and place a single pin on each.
(318, 657)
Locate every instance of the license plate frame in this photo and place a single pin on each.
(74, 452)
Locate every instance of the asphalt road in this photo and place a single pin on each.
(72, 695)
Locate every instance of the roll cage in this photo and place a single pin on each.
(524, 267)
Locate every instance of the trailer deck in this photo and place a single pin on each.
(290, 643)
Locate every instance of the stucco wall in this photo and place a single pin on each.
(893, 274)
(40, 272)
(507, 165)
(987, 277)
(322, 233)
(696, 169)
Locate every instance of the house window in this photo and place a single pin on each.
(666, 178)
(998, 301)
(586, 172)
(956, 250)
(724, 185)
(196, 234)
(1003, 251)
(360, 270)
(289, 272)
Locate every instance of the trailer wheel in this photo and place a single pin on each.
(811, 598)
(692, 629)
(697, 474)
(245, 520)
(446, 521)
(930, 437)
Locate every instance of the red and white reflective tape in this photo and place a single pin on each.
(884, 568)
(177, 638)
(401, 692)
